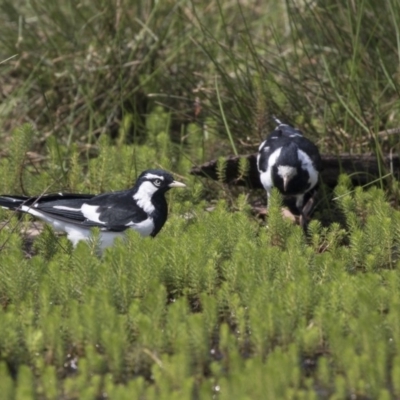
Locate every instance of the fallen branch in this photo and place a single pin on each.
(362, 169)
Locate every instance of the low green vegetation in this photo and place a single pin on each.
(220, 304)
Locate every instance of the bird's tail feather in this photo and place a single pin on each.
(277, 121)
(12, 202)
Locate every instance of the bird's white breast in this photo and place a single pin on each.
(144, 228)
(286, 171)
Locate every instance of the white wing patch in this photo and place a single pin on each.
(65, 208)
(266, 177)
(307, 164)
(91, 213)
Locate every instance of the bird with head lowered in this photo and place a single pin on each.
(142, 208)
(292, 163)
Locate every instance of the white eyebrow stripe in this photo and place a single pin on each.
(153, 176)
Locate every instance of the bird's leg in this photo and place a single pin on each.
(308, 207)
(306, 211)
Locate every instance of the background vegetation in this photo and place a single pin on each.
(219, 305)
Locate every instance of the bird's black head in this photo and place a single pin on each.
(287, 164)
(156, 180)
(289, 155)
(149, 193)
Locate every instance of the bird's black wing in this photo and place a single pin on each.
(311, 150)
(263, 157)
(110, 211)
(56, 205)
(117, 211)
(61, 206)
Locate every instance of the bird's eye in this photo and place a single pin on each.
(157, 182)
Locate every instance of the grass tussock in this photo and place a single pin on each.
(218, 305)
(82, 69)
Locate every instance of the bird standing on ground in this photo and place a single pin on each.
(291, 163)
(142, 208)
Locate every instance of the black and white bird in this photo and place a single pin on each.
(291, 163)
(142, 208)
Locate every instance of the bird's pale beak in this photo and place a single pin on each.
(285, 183)
(176, 184)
